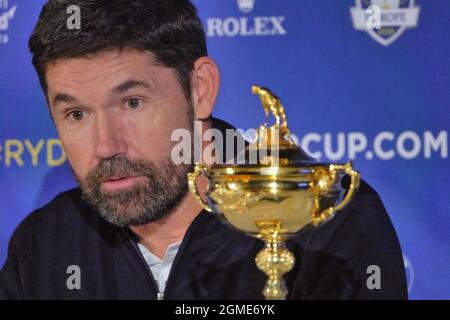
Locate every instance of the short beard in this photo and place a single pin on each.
(166, 186)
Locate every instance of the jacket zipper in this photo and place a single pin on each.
(175, 265)
(148, 272)
(193, 227)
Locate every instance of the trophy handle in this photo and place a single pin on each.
(192, 179)
(354, 184)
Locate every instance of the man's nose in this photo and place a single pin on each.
(109, 135)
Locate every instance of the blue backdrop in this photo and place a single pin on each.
(379, 97)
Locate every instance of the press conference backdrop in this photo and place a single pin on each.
(378, 96)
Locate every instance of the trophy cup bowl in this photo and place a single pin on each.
(276, 195)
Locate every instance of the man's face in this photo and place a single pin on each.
(115, 112)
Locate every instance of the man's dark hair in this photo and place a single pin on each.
(170, 29)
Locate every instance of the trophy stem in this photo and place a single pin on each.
(274, 260)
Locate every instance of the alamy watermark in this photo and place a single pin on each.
(213, 147)
(73, 281)
(74, 20)
(373, 282)
(374, 17)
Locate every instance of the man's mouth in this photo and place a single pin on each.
(116, 183)
(115, 178)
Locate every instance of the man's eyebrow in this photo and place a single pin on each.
(63, 97)
(121, 88)
(130, 84)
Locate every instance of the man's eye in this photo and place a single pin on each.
(76, 115)
(133, 103)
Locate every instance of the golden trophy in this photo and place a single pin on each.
(277, 195)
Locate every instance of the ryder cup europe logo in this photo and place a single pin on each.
(384, 20)
(246, 5)
(6, 14)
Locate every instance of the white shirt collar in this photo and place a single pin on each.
(160, 268)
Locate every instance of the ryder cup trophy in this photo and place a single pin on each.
(275, 192)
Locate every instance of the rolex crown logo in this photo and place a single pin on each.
(246, 5)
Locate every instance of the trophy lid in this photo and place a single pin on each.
(273, 145)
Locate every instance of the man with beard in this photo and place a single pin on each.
(116, 89)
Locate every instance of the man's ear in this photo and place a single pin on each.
(205, 86)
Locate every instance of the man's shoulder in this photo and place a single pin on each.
(57, 216)
(62, 206)
(338, 254)
(368, 212)
(362, 221)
